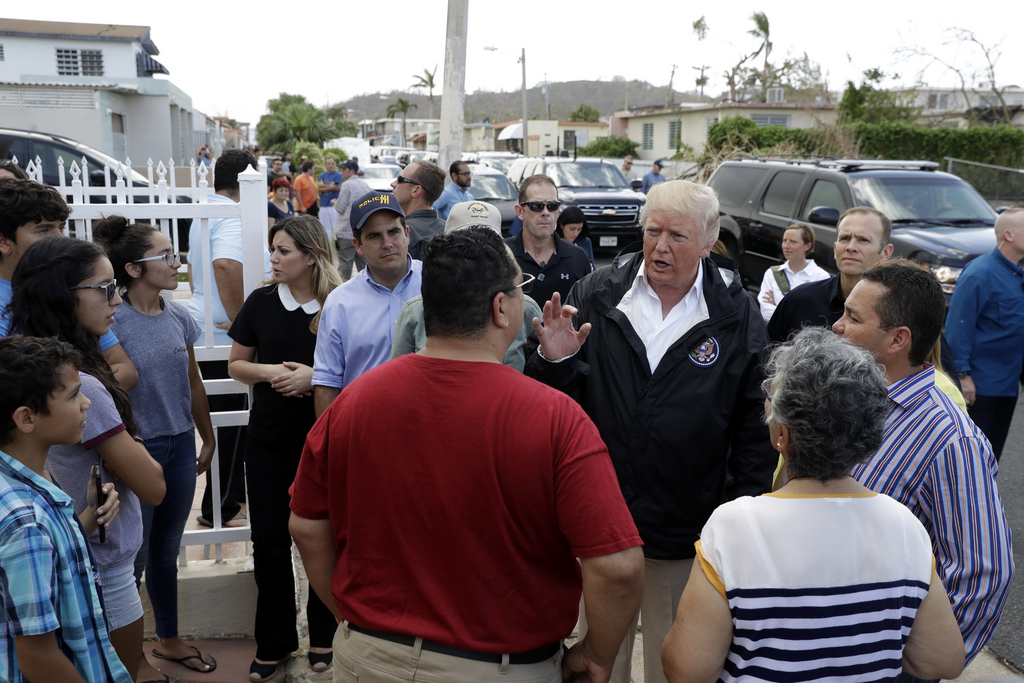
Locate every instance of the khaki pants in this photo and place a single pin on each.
(664, 581)
(363, 658)
(349, 260)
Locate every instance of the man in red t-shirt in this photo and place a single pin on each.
(443, 497)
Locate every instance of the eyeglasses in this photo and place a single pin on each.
(109, 289)
(467, 173)
(537, 207)
(169, 259)
(402, 179)
(527, 284)
(766, 390)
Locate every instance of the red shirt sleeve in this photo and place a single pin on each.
(591, 512)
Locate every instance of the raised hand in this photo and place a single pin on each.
(558, 338)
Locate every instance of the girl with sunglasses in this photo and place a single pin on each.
(274, 338)
(65, 288)
(169, 403)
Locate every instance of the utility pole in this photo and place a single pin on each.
(453, 97)
(670, 98)
(526, 137)
(547, 103)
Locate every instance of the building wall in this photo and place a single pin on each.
(478, 139)
(24, 56)
(586, 133)
(81, 124)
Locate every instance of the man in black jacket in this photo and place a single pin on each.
(670, 372)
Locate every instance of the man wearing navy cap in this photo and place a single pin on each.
(654, 177)
(358, 319)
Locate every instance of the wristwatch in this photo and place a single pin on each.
(965, 373)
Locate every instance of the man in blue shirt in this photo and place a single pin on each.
(985, 329)
(29, 212)
(654, 177)
(357, 324)
(328, 186)
(457, 191)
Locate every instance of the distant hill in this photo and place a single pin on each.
(605, 96)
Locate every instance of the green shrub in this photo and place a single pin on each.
(311, 150)
(337, 154)
(613, 146)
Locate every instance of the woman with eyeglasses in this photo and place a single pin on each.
(169, 403)
(274, 338)
(65, 288)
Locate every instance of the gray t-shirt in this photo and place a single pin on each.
(158, 346)
(71, 465)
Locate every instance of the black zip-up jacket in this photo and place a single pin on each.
(672, 437)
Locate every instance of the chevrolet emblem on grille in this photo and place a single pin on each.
(608, 212)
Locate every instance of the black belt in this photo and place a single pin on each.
(537, 654)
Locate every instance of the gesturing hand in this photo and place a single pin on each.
(557, 337)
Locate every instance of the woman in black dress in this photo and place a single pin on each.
(274, 338)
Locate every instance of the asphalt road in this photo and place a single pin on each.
(1008, 641)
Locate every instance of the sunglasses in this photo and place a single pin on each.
(527, 284)
(402, 179)
(537, 207)
(169, 259)
(109, 289)
(766, 390)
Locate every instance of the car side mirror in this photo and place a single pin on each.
(636, 184)
(1000, 209)
(97, 178)
(825, 215)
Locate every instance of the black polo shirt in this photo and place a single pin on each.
(816, 304)
(568, 264)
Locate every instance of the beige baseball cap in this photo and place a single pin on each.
(465, 214)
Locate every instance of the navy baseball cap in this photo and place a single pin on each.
(369, 204)
(351, 165)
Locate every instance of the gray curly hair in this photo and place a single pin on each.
(833, 398)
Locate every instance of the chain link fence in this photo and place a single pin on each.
(999, 185)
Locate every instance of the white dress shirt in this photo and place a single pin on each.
(812, 272)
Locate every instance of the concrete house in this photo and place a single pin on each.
(954, 107)
(94, 83)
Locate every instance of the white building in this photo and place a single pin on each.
(955, 107)
(94, 83)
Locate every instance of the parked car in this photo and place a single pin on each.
(492, 186)
(938, 219)
(598, 188)
(388, 154)
(499, 160)
(380, 176)
(25, 145)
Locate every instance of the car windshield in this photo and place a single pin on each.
(586, 175)
(930, 199)
(382, 172)
(498, 163)
(490, 187)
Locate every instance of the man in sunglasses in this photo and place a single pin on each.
(485, 514)
(416, 188)
(670, 372)
(456, 192)
(29, 212)
(538, 249)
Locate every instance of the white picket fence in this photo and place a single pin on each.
(157, 205)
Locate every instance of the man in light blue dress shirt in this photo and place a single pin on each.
(457, 191)
(358, 321)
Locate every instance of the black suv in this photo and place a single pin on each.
(938, 219)
(598, 189)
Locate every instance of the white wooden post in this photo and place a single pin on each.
(252, 188)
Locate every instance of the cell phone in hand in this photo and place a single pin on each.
(99, 501)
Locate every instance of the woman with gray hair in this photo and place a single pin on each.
(824, 578)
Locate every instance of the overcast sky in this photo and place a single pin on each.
(232, 57)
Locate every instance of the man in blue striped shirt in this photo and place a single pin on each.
(933, 459)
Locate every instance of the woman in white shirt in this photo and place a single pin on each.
(797, 243)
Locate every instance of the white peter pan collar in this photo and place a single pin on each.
(290, 304)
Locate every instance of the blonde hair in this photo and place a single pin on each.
(681, 198)
(311, 239)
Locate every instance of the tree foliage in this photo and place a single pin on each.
(585, 113)
(613, 146)
(337, 116)
(291, 119)
(872, 104)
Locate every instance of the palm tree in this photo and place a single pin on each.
(762, 32)
(337, 116)
(293, 123)
(401, 106)
(427, 81)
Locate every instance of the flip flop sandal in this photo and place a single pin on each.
(198, 655)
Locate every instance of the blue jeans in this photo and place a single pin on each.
(163, 525)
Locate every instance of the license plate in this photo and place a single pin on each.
(609, 241)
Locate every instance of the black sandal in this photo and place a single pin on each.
(262, 672)
(319, 661)
(181, 660)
